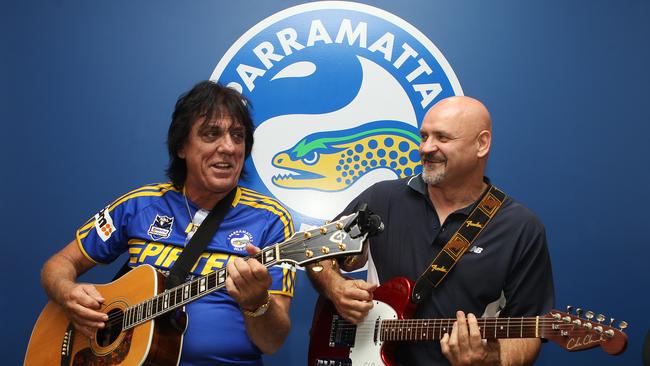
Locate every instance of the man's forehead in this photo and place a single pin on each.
(441, 123)
(223, 121)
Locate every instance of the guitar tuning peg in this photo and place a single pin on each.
(600, 318)
(317, 268)
(611, 321)
(589, 314)
(579, 311)
(569, 308)
(622, 324)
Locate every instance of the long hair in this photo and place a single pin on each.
(211, 100)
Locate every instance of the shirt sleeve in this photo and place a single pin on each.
(280, 228)
(103, 238)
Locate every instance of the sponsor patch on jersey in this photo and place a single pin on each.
(104, 224)
(239, 238)
(161, 228)
(340, 89)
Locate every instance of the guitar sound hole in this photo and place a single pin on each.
(112, 329)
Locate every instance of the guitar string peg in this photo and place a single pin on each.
(622, 324)
(568, 309)
(579, 311)
(611, 321)
(600, 318)
(316, 268)
(589, 314)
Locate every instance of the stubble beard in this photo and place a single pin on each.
(433, 177)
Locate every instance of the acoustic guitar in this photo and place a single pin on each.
(146, 323)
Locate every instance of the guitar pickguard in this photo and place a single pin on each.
(87, 357)
(366, 350)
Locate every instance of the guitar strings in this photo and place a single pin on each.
(117, 318)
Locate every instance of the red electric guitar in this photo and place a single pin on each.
(337, 342)
(146, 323)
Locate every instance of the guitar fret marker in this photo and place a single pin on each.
(221, 277)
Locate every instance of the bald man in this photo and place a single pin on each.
(505, 273)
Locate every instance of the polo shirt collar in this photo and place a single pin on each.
(417, 184)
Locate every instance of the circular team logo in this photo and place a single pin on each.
(338, 91)
(239, 238)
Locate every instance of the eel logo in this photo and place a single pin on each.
(239, 238)
(161, 228)
(338, 90)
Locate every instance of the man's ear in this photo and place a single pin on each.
(483, 142)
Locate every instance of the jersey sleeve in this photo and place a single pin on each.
(103, 238)
(280, 228)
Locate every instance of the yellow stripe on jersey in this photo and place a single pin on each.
(83, 251)
(288, 279)
(254, 199)
(153, 187)
(286, 220)
(141, 192)
(252, 195)
(235, 200)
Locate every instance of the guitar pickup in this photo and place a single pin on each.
(342, 332)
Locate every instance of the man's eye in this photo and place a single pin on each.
(238, 136)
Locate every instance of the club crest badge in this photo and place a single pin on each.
(238, 240)
(339, 91)
(161, 228)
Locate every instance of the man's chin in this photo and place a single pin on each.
(432, 178)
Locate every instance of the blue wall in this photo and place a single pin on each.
(87, 88)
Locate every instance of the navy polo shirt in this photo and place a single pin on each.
(506, 271)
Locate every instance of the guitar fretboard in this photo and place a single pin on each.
(434, 329)
(188, 292)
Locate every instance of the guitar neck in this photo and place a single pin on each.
(192, 290)
(330, 240)
(435, 329)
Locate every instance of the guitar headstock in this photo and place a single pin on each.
(338, 238)
(578, 332)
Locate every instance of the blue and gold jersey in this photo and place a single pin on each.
(152, 223)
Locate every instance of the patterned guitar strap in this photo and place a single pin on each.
(459, 242)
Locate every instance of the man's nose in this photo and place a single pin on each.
(428, 146)
(226, 144)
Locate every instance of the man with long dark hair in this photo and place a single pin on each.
(210, 136)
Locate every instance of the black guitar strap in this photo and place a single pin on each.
(199, 242)
(195, 246)
(450, 254)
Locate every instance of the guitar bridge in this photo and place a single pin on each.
(68, 339)
(342, 332)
